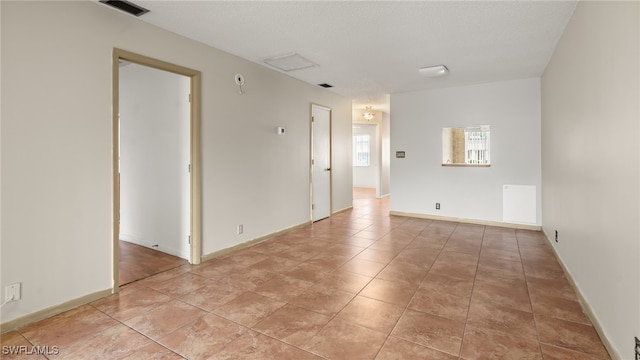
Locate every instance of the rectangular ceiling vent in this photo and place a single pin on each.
(289, 62)
(126, 6)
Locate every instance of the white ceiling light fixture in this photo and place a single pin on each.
(368, 113)
(289, 62)
(434, 71)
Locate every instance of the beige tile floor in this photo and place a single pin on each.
(138, 262)
(360, 285)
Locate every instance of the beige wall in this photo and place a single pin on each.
(591, 187)
(419, 181)
(56, 146)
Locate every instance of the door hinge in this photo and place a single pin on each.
(189, 238)
(189, 167)
(189, 97)
(313, 119)
(313, 162)
(313, 206)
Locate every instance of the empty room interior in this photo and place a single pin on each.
(320, 179)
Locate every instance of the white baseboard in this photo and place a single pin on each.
(342, 210)
(252, 242)
(585, 305)
(467, 221)
(150, 245)
(51, 311)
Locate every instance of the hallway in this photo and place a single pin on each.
(359, 285)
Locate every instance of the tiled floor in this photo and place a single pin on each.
(360, 285)
(138, 262)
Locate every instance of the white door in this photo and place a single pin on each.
(320, 163)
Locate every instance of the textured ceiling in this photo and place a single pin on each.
(370, 49)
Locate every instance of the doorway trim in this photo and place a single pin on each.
(311, 199)
(195, 154)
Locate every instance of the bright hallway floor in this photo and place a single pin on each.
(360, 285)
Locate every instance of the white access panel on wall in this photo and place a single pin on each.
(519, 204)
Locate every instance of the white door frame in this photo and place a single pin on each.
(311, 182)
(195, 154)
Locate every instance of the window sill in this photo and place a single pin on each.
(467, 165)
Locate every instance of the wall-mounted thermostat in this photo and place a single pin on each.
(280, 130)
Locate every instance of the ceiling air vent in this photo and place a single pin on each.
(325, 85)
(126, 6)
(289, 62)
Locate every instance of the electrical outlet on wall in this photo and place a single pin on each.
(240, 229)
(12, 292)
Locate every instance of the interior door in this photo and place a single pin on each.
(321, 162)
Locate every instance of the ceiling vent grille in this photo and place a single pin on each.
(289, 62)
(126, 6)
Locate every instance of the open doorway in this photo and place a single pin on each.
(154, 177)
(371, 153)
(366, 169)
(371, 130)
(156, 165)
